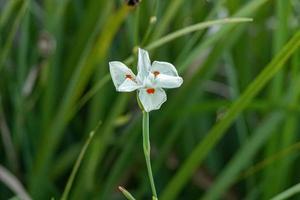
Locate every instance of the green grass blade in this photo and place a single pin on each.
(248, 10)
(190, 29)
(123, 160)
(287, 194)
(65, 161)
(278, 173)
(126, 193)
(12, 182)
(7, 47)
(99, 145)
(7, 12)
(278, 156)
(77, 164)
(92, 92)
(244, 156)
(203, 148)
(193, 28)
(168, 16)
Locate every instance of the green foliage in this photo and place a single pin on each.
(238, 106)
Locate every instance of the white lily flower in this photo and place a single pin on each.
(150, 80)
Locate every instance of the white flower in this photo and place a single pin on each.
(149, 81)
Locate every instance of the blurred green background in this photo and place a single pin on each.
(230, 132)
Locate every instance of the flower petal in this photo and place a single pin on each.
(128, 86)
(122, 76)
(166, 81)
(163, 68)
(144, 64)
(152, 98)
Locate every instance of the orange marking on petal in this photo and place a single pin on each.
(156, 73)
(150, 90)
(128, 76)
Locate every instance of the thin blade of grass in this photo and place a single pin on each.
(13, 183)
(122, 161)
(193, 28)
(9, 39)
(77, 164)
(286, 194)
(248, 10)
(244, 155)
(126, 193)
(203, 147)
(276, 89)
(184, 31)
(65, 161)
(92, 92)
(98, 147)
(293, 149)
(168, 16)
(7, 140)
(7, 12)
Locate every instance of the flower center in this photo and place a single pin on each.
(150, 90)
(156, 73)
(128, 76)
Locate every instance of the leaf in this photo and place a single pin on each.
(244, 155)
(216, 133)
(286, 194)
(77, 164)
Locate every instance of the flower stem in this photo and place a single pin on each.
(146, 146)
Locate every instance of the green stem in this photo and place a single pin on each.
(146, 146)
(126, 193)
